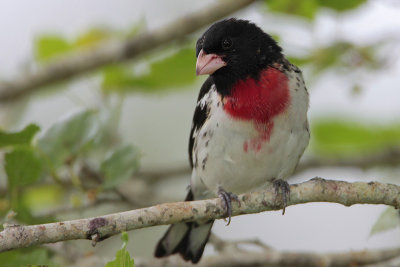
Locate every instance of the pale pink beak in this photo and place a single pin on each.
(208, 63)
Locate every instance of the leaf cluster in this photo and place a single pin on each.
(45, 171)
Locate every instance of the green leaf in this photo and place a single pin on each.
(47, 47)
(91, 37)
(299, 61)
(119, 165)
(67, 137)
(308, 8)
(26, 257)
(117, 77)
(124, 239)
(341, 5)
(389, 219)
(330, 56)
(23, 137)
(122, 257)
(335, 137)
(173, 71)
(305, 8)
(42, 197)
(23, 167)
(342, 56)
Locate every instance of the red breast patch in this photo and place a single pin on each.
(259, 101)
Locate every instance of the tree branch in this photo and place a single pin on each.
(277, 258)
(100, 228)
(113, 52)
(230, 254)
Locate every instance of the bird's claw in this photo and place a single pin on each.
(226, 198)
(285, 189)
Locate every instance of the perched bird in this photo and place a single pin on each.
(249, 127)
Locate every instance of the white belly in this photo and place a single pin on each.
(233, 154)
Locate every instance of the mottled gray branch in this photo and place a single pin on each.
(99, 228)
(114, 52)
(278, 258)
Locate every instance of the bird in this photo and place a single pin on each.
(249, 128)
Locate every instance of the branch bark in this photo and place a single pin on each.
(99, 228)
(108, 53)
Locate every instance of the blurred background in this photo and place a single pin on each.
(116, 138)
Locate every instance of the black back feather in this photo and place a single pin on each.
(199, 117)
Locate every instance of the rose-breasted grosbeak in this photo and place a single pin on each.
(249, 128)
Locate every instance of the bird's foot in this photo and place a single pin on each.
(226, 198)
(285, 189)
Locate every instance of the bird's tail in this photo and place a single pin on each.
(187, 239)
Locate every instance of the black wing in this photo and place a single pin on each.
(199, 117)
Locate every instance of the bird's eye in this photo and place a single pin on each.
(226, 43)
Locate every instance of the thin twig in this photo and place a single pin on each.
(221, 245)
(315, 190)
(386, 157)
(277, 258)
